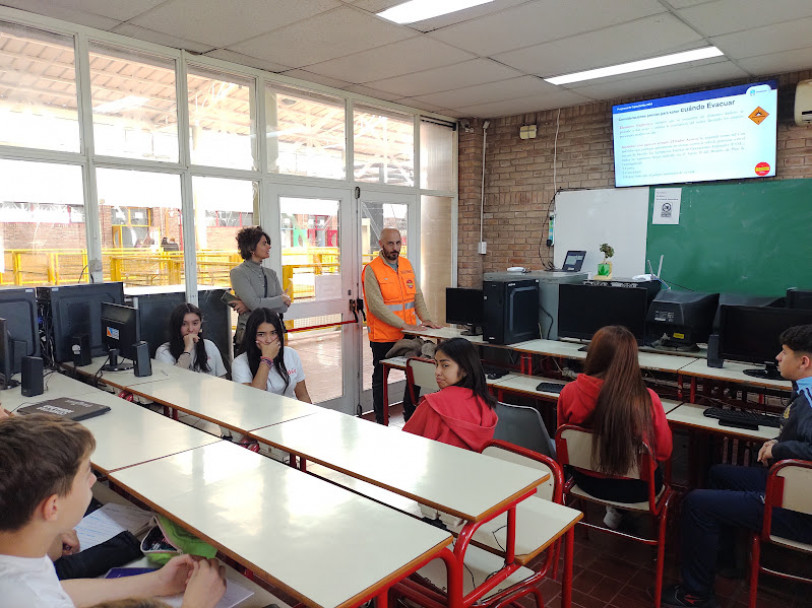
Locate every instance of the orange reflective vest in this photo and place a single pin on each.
(398, 290)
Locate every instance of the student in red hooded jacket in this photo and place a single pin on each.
(611, 398)
(461, 412)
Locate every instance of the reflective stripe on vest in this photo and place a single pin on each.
(398, 290)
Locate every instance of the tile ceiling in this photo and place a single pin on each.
(486, 61)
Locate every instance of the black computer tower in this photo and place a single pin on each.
(511, 311)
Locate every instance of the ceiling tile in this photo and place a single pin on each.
(402, 57)
(65, 11)
(652, 36)
(318, 79)
(727, 16)
(369, 92)
(127, 29)
(326, 36)
(222, 24)
(523, 86)
(778, 63)
(540, 21)
(251, 62)
(524, 105)
(465, 74)
(120, 10)
(786, 36)
(670, 81)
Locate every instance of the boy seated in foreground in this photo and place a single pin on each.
(45, 482)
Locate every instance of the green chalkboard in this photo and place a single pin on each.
(752, 237)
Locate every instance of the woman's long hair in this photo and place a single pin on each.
(176, 344)
(463, 353)
(622, 416)
(249, 342)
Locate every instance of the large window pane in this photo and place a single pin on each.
(37, 89)
(42, 224)
(305, 132)
(436, 156)
(141, 227)
(384, 147)
(222, 129)
(435, 252)
(135, 112)
(222, 208)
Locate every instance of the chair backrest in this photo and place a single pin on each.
(574, 447)
(788, 486)
(420, 372)
(552, 489)
(522, 425)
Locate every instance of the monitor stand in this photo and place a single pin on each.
(6, 384)
(113, 364)
(770, 372)
(471, 330)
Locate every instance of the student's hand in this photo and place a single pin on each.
(269, 350)
(206, 585)
(413, 328)
(189, 341)
(173, 577)
(239, 306)
(4, 413)
(70, 543)
(432, 324)
(765, 454)
(286, 299)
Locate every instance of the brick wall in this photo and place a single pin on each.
(520, 180)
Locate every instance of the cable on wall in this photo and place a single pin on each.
(485, 126)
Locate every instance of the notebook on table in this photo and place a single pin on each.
(75, 409)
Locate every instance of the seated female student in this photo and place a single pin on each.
(461, 412)
(611, 398)
(266, 362)
(186, 347)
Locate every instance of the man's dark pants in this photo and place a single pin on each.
(379, 350)
(710, 517)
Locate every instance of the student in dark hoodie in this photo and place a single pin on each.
(611, 398)
(461, 412)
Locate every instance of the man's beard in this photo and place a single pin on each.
(392, 255)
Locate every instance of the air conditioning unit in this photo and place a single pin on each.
(803, 103)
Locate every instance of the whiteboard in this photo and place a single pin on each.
(584, 219)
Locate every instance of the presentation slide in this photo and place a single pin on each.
(722, 134)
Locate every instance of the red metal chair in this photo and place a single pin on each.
(787, 487)
(574, 449)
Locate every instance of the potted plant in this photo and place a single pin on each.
(605, 267)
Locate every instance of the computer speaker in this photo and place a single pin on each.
(32, 377)
(141, 361)
(80, 347)
(714, 360)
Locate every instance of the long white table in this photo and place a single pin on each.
(54, 384)
(692, 416)
(123, 380)
(322, 544)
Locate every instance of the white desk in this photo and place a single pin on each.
(733, 371)
(55, 385)
(235, 406)
(125, 379)
(691, 415)
(323, 544)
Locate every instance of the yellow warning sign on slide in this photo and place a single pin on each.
(758, 115)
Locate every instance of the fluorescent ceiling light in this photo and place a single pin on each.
(418, 10)
(637, 66)
(130, 102)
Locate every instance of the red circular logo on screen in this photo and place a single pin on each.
(762, 169)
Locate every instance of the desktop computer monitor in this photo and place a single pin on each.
(680, 319)
(465, 307)
(120, 331)
(584, 309)
(18, 306)
(738, 299)
(6, 358)
(799, 298)
(72, 311)
(750, 334)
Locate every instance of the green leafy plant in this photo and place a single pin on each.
(607, 250)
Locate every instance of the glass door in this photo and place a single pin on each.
(379, 211)
(315, 247)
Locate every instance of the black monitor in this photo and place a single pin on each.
(465, 307)
(799, 298)
(680, 319)
(738, 299)
(18, 306)
(6, 358)
(584, 309)
(70, 311)
(120, 332)
(750, 334)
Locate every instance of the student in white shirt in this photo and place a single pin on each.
(186, 347)
(45, 482)
(266, 363)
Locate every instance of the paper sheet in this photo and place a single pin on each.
(111, 519)
(235, 594)
(666, 206)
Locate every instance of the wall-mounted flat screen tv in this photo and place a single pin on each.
(713, 135)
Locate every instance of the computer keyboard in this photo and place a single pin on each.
(742, 420)
(492, 373)
(549, 387)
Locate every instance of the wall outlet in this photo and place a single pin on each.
(482, 247)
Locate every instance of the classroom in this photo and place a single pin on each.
(138, 140)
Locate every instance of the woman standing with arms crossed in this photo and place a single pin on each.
(254, 285)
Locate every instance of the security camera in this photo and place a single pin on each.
(465, 125)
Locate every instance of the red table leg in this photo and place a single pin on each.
(566, 579)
